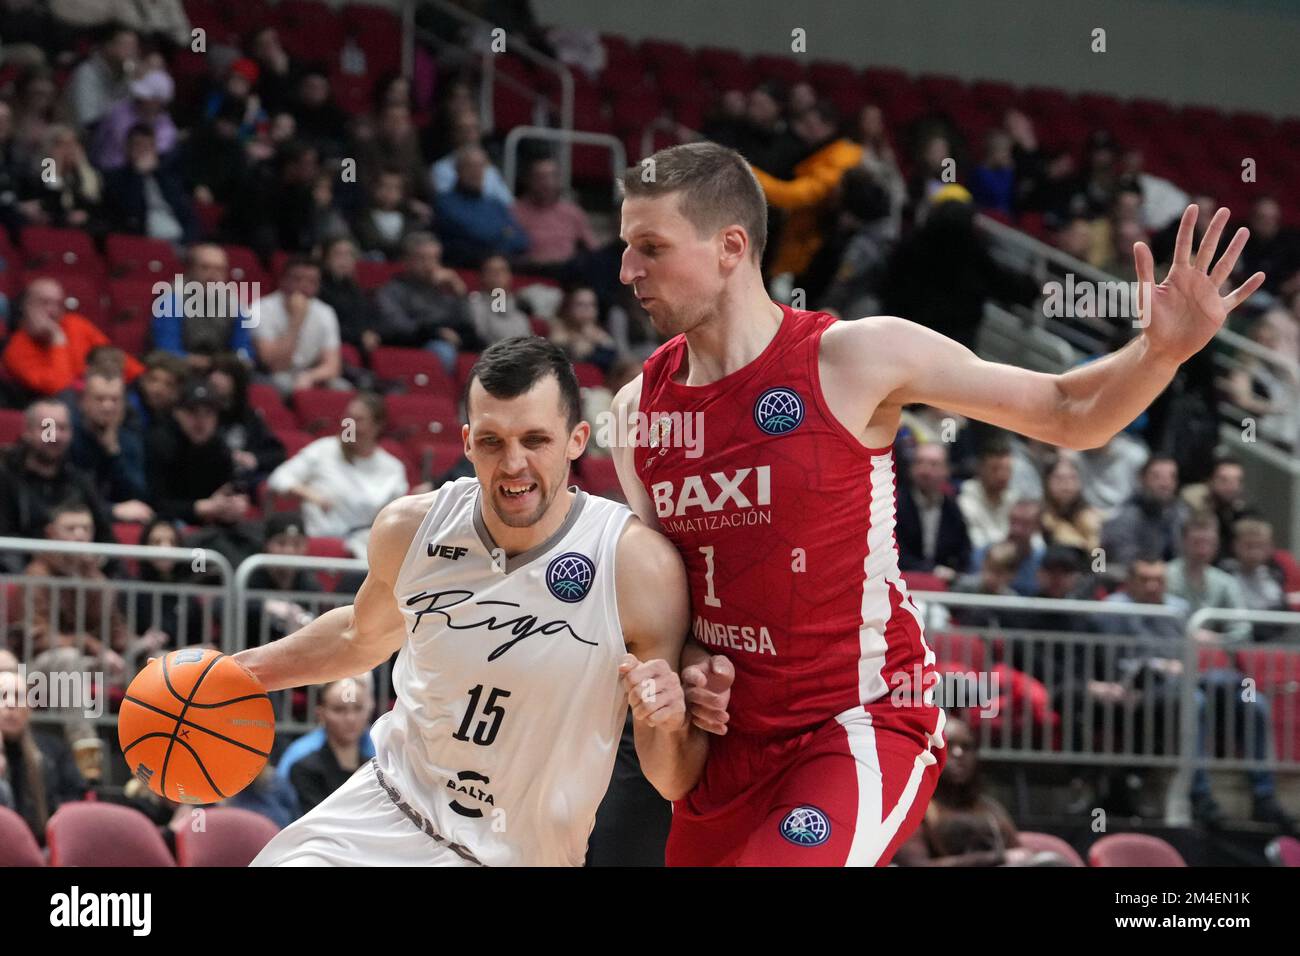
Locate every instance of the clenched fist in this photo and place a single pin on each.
(708, 692)
(654, 693)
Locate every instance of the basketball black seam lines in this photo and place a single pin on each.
(206, 730)
(198, 760)
(162, 778)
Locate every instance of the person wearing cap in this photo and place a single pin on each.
(190, 466)
(147, 104)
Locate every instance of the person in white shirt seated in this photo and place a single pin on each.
(344, 480)
(296, 334)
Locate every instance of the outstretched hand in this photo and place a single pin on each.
(1186, 310)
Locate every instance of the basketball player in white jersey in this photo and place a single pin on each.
(527, 617)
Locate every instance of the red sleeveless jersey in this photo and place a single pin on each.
(786, 524)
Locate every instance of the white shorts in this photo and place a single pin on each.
(365, 822)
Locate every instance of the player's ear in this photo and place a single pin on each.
(734, 245)
(578, 439)
(464, 437)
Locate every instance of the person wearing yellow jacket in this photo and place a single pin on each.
(815, 181)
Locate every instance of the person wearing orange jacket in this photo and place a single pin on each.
(47, 353)
(816, 178)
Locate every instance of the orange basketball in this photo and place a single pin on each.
(196, 726)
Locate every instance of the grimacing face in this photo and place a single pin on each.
(521, 449)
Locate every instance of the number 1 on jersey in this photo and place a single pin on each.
(710, 598)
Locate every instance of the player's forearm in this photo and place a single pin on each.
(671, 760)
(324, 650)
(1103, 397)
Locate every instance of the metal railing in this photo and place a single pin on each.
(489, 75)
(510, 162)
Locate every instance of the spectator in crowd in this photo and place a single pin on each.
(309, 743)
(727, 123)
(768, 143)
(1194, 578)
(147, 107)
(254, 448)
(931, 170)
(847, 272)
(155, 392)
(296, 334)
(986, 500)
(1268, 391)
(879, 161)
(395, 145)
(472, 224)
(1152, 522)
(1222, 497)
(160, 22)
(220, 327)
(930, 530)
(1024, 533)
(806, 195)
(993, 578)
(993, 183)
(1257, 573)
(424, 306)
(104, 77)
(13, 173)
(37, 476)
(1068, 519)
(235, 98)
(108, 445)
(383, 225)
(577, 330)
(83, 621)
(1273, 249)
(557, 229)
(215, 157)
(271, 618)
(284, 205)
(495, 309)
(36, 109)
(963, 825)
(48, 352)
(1162, 203)
(190, 468)
(354, 306)
(276, 71)
(320, 120)
(444, 174)
(344, 480)
(178, 617)
(344, 710)
(36, 768)
(1109, 474)
(147, 197)
(1074, 238)
(70, 198)
(951, 299)
(269, 795)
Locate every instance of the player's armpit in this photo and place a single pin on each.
(885, 360)
(624, 408)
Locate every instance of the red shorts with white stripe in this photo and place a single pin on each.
(848, 793)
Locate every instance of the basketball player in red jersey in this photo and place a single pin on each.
(781, 503)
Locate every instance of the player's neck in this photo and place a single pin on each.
(742, 328)
(518, 540)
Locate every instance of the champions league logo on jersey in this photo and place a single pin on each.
(569, 577)
(806, 826)
(778, 411)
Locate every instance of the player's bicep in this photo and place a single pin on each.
(653, 596)
(377, 620)
(935, 370)
(624, 407)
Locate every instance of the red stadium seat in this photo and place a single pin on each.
(371, 275)
(266, 401)
(60, 250)
(417, 369)
(294, 440)
(83, 293)
(1133, 849)
(1284, 851)
(139, 255)
(11, 426)
(328, 548)
(403, 454)
(132, 337)
(464, 365)
(320, 410)
(246, 267)
(788, 69)
(231, 837)
(104, 834)
(1046, 843)
(127, 532)
(17, 845)
(350, 355)
(589, 375)
(435, 454)
(421, 413)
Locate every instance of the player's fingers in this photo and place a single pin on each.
(1228, 261)
(724, 672)
(1244, 291)
(1183, 244)
(1145, 267)
(693, 676)
(710, 726)
(1210, 241)
(648, 671)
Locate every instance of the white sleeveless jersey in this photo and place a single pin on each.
(509, 705)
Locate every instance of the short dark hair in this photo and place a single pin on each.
(1155, 460)
(718, 188)
(512, 366)
(300, 262)
(73, 504)
(141, 129)
(1222, 460)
